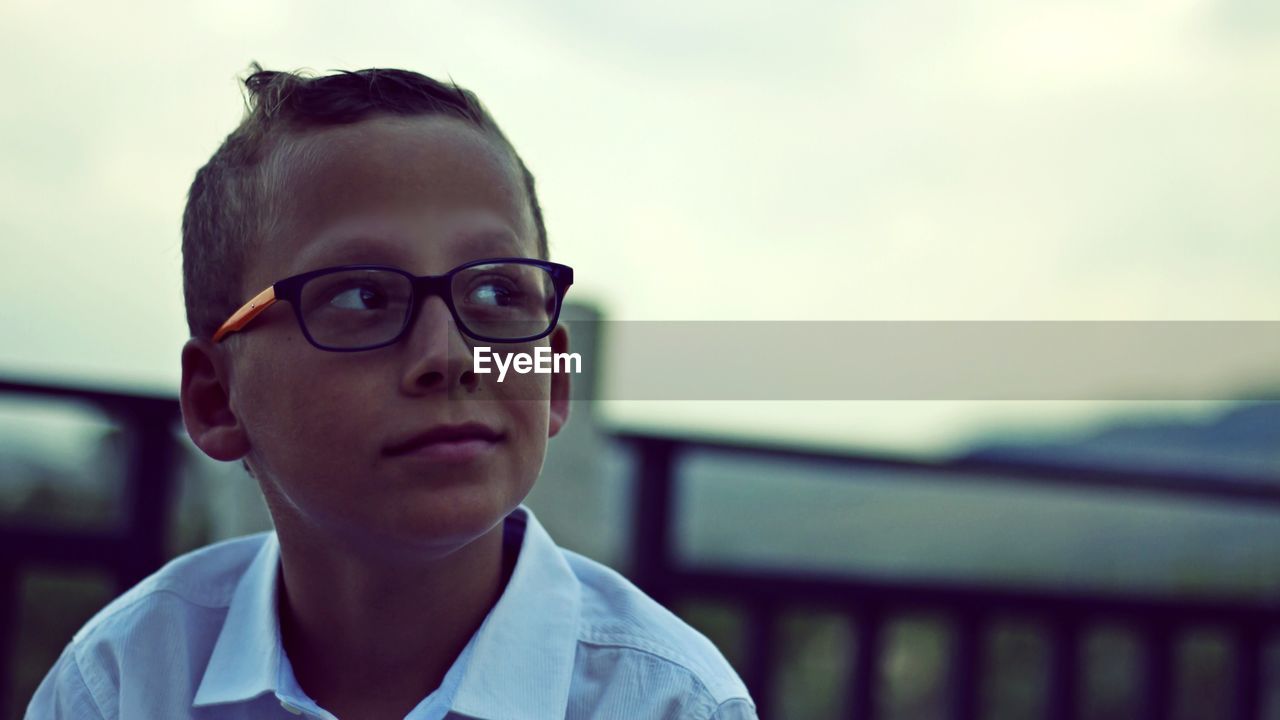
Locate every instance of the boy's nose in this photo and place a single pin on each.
(439, 356)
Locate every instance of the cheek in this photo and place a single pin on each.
(529, 386)
(300, 418)
(531, 419)
(523, 399)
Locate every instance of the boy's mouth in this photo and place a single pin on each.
(447, 441)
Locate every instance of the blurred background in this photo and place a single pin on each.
(992, 161)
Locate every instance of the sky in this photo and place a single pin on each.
(994, 160)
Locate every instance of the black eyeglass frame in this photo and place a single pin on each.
(421, 288)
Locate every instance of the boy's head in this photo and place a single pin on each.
(401, 442)
(234, 199)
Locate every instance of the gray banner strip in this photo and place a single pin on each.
(930, 360)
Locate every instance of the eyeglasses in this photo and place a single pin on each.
(362, 307)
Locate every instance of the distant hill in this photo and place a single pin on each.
(1244, 440)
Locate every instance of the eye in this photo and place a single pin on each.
(359, 298)
(493, 291)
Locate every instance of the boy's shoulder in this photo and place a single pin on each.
(593, 642)
(204, 578)
(616, 615)
(142, 651)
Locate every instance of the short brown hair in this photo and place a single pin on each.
(229, 204)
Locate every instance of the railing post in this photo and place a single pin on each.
(651, 559)
(1157, 671)
(1248, 672)
(1064, 669)
(10, 600)
(762, 634)
(149, 485)
(966, 658)
(864, 686)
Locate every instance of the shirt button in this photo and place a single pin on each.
(290, 708)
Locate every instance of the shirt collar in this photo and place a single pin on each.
(522, 657)
(246, 657)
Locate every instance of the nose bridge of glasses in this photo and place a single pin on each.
(426, 287)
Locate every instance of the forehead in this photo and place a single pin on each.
(427, 190)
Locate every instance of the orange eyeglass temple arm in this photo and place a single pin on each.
(246, 313)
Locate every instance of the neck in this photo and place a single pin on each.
(349, 625)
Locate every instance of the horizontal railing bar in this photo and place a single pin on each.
(931, 595)
(65, 547)
(121, 401)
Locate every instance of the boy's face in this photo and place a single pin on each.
(424, 194)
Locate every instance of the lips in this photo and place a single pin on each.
(445, 435)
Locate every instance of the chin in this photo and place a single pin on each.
(453, 516)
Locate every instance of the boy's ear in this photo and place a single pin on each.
(559, 383)
(205, 400)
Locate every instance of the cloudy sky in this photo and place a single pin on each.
(990, 160)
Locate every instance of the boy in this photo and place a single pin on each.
(345, 251)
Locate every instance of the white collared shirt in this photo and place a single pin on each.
(569, 638)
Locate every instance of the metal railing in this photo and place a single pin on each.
(129, 550)
(136, 548)
(869, 603)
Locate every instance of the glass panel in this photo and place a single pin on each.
(813, 665)
(721, 622)
(1015, 672)
(61, 463)
(1203, 688)
(1111, 675)
(212, 500)
(749, 512)
(914, 668)
(53, 604)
